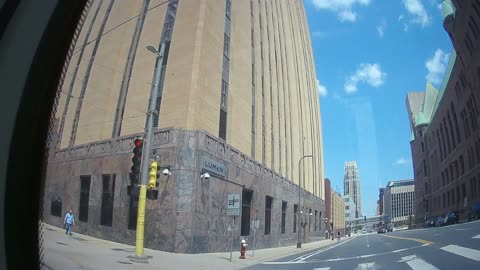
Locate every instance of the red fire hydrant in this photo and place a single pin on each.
(243, 248)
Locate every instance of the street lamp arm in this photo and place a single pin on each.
(299, 243)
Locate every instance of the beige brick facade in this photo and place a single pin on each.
(192, 88)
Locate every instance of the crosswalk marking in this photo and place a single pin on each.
(477, 236)
(366, 266)
(417, 263)
(463, 251)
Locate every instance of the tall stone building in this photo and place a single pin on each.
(445, 140)
(399, 199)
(351, 185)
(238, 99)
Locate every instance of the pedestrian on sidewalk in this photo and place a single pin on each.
(338, 236)
(69, 220)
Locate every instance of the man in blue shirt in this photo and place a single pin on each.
(69, 220)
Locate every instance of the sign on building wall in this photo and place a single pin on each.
(214, 167)
(233, 204)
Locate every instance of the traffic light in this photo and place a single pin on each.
(153, 175)
(136, 162)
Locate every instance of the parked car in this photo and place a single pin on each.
(381, 230)
(429, 223)
(473, 212)
(439, 221)
(451, 218)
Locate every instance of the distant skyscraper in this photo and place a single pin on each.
(381, 192)
(351, 185)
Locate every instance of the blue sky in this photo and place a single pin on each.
(368, 55)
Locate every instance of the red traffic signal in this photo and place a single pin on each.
(136, 161)
(138, 143)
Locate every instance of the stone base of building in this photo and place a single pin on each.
(190, 214)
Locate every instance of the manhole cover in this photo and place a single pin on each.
(60, 243)
(124, 262)
(118, 249)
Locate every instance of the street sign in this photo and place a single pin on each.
(233, 204)
(255, 224)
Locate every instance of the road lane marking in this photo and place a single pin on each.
(417, 263)
(366, 266)
(462, 229)
(323, 268)
(347, 258)
(476, 236)
(306, 256)
(463, 251)
(411, 239)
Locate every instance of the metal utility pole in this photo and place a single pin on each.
(299, 242)
(147, 149)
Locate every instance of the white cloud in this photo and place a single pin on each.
(371, 74)
(381, 28)
(343, 8)
(322, 90)
(417, 10)
(405, 27)
(436, 66)
(401, 161)
(401, 17)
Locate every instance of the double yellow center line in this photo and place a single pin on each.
(411, 239)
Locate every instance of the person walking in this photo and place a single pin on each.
(338, 236)
(69, 220)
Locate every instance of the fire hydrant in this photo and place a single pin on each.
(243, 248)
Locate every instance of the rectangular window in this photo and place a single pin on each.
(228, 9)
(268, 214)
(132, 213)
(455, 165)
(226, 46)
(464, 190)
(284, 215)
(56, 206)
(462, 165)
(423, 147)
(108, 194)
(84, 198)
(295, 212)
(444, 200)
(424, 167)
(222, 133)
(224, 94)
(246, 208)
(315, 220)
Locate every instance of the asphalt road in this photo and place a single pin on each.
(451, 247)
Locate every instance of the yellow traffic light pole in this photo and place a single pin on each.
(142, 198)
(147, 149)
(141, 220)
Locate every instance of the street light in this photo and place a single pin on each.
(299, 242)
(147, 148)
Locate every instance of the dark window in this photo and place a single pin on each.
(56, 207)
(464, 190)
(424, 167)
(132, 213)
(423, 147)
(458, 193)
(473, 27)
(223, 125)
(224, 94)
(228, 8)
(284, 215)
(455, 165)
(315, 227)
(84, 198)
(246, 206)
(268, 214)
(462, 165)
(108, 194)
(451, 129)
(444, 201)
(455, 121)
(295, 212)
(226, 46)
(477, 150)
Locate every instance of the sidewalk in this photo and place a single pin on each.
(83, 252)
